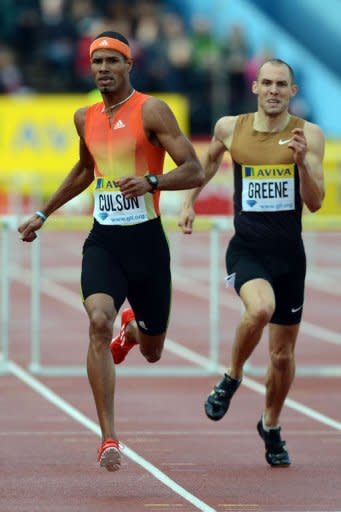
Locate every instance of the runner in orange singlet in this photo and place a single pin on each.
(123, 141)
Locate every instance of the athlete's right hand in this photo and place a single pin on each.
(28, 228)
(186, 219)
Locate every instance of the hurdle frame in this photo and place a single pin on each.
(215, 225)
(7, 224)
(36, 367)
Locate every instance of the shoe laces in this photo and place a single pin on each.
(221, 393)
(273, 440)
(123, 335)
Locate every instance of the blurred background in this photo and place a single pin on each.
(201, 56)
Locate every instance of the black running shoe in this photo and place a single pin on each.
(219, 399)
(276, 453)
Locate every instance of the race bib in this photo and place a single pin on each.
(268, 188)
(111, 207)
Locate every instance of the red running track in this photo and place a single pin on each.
(175, 458)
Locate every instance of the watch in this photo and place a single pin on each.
(153, 181)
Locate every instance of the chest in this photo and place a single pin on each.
(262, 149)
(117, 136)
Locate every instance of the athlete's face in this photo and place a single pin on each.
(274, 89)
(110, 70)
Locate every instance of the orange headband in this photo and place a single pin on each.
(109, 43)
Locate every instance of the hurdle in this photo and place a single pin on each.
(214, 225)
(211, 224)
(7, 224)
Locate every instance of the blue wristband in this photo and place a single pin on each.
(41, 215)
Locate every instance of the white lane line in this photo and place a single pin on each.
(184, 284)
(59, 402)
(189, 355)
(318, 279)
(168, 433)
(66, 296)
(201, 291)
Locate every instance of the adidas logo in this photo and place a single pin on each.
(103, 43)
(119, 124)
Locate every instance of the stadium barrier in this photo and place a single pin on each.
(212, 227)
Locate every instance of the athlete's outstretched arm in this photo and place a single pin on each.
(308, 148)
(78, 179)
(219, 144)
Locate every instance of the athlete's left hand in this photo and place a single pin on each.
(132, 186)
(298, 144)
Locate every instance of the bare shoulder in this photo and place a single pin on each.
(313, 130)
(224, 128)
(79, 115)
(157, 114)
(79, 120)
(314, 135)
(153, 103)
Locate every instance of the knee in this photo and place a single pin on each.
(261, 314)
(151, 346)
(281, 360)
(151, 356)
(101, 327)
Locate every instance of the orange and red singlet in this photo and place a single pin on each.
(120, 148)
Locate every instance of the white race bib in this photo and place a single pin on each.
(112, 208)
(268, 188)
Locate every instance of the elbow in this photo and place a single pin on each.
(199, 176)
(315, 203)
(200, 181)
(314, 206)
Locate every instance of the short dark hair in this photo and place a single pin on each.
(280, 62)
(113, 35)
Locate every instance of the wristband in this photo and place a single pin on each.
(42, 215)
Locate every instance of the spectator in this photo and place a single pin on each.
(11, 80)
(234, 57)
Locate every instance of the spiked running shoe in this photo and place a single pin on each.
(120, 346)
(276, 453)
(108, 455)
(219, 399)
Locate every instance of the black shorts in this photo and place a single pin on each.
(284, 267)
(130, 262)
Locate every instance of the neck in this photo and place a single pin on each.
(265, 123)
(109, 106)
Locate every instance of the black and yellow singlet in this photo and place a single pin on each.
(267, 202)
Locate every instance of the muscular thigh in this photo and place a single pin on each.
(149, 293)
(131, 263)
(243, 265)
(289, 287)
(289, 294)
(284, 269)
(101, 273)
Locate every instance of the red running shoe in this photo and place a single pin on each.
(108, 455)
(120, 346)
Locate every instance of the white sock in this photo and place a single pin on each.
(266, 428)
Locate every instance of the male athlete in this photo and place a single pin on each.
(277, 161)
(123, 141)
